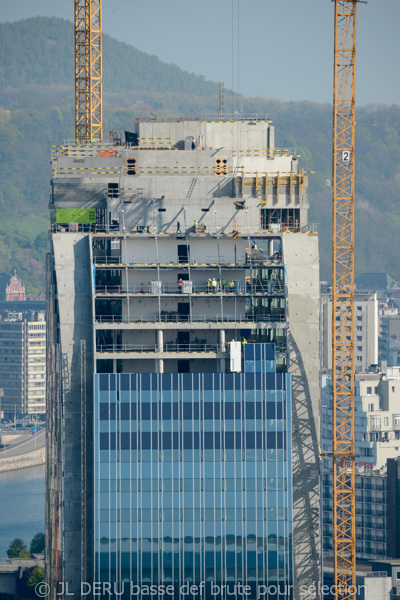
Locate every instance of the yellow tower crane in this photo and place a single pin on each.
(343, 300)
(88, 71)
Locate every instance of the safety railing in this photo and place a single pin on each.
(118, 229)
(165, 261)
(174, 317)
(268, 152)
(238, 288)
(203, 262)
(281, 228)
(155, 349)
(71, 149)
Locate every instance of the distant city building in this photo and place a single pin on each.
(377, 446)
(23, 364)
(371, 512)
(366, 330)
(377, 416)
(15, 290)
(389, 333)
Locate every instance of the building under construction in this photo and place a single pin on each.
(184, 365)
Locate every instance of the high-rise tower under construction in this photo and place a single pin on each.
(183, 390)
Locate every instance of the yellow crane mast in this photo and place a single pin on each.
(343, 300)
(88, 71)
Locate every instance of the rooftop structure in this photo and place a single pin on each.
(184, 324)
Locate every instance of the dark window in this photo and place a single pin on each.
(107, 412)
(113, 190)
(183, 366)
(146, 411)
(166, 411)
(125, 412)
(229, 410)
(131, 168)
(183, 253)
(208, 410)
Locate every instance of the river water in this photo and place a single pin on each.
(22, 501)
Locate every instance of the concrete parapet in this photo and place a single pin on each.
(23, 461)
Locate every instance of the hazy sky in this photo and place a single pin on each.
(285, 47)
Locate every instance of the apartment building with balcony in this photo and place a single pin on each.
(23, 364)
(366, 330)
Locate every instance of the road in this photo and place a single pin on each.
(25, 446)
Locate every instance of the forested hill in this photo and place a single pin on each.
(37, 111)
(40, 51)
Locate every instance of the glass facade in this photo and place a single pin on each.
(193, 481)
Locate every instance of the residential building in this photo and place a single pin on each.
(377, 472)
(389, 333)
(366, 330)
(371, 513)
(23, 364)
(183, 423)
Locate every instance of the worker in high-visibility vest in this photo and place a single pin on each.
(214, 284)
(231, 286)
(209, 286)
(223, 285)
(180, 284)
(195, 225)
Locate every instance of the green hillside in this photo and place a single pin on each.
(40, 51)
(36, 112)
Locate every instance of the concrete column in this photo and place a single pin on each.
(160, 340)
(221, 336)
(160, 348)
(221, 341)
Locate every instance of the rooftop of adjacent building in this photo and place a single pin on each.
(376, 281)
(29, 315)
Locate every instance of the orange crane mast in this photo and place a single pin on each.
(343, 300)
(88, 71)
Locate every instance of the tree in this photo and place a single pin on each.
(15, 548)
(24, 553)
(27, 583)
(37, 544)
(37, 576)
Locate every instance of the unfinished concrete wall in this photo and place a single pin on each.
(71, 253)
(301, 257)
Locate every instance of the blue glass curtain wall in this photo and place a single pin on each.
(193, 478)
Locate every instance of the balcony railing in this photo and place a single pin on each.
(239, 287)
(174, 317)
(155, 349)
(203, 262)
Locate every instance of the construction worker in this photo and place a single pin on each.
(178, 227)
(209, 286)
(214, 284)
(195, 225)
(244, 341)
(223, 285)
(180, 284)
(231, 286)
